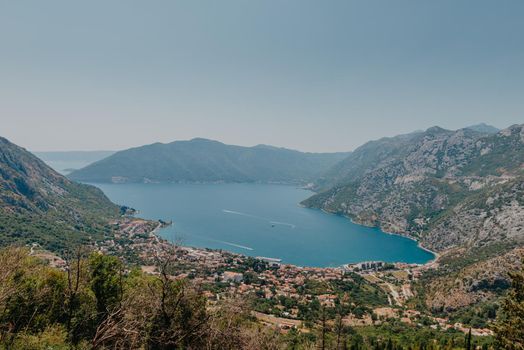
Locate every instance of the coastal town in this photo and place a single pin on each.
(283, 295)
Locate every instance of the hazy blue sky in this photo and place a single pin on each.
(311, 75)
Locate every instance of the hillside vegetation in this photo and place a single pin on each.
(201, 160)
(38, 205)
(97, 303)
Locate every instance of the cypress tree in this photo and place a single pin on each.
(467, 345)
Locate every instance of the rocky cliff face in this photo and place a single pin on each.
(489, 215)
(483, 279)
(444, 187)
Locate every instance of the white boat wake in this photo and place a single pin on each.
(234, 245)
(226, 211)
(241, 214)
(225, 242)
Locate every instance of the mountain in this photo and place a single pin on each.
(38, 205)
(67, 161)
(446, 188)
(484, 128)
(73, 156)
(202, 160)
(364, 158)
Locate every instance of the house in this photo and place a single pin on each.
(230, 276)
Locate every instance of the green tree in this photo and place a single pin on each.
(467, 342)
(30, 295)
(106, 282)
(180, 316)
(509, 330)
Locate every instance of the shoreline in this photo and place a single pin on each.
(342, 262)
(435, 258)
(436, 255)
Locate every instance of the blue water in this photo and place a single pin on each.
(261, 220)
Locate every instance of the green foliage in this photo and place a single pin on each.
(38, 205)
(361, 291)
(479, 315)
(510, 326)
(362, 294)
(54, 337)
(106, 281)
(93, 304)
(416, 337)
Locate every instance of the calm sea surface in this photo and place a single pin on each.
(261, 220)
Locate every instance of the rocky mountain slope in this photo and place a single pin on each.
(38, 205)
(466, 278)
(444, 187)
(201, 160)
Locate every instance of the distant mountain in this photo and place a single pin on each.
(484, 128)
(446, 188)
(67, 161)
(38, 205)
(202, 160)
(365, 158)
(87, 156)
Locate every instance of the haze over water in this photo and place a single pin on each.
(262, 220)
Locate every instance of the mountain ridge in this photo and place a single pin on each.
(417, 184)
(204, 160)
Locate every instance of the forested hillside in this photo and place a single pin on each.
(201, 160)
(38, 205)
